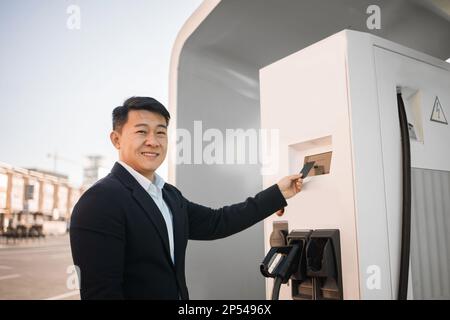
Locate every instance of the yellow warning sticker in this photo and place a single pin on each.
(438, 113)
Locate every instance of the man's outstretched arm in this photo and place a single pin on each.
(210, 224)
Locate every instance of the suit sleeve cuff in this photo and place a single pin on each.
(272, 199)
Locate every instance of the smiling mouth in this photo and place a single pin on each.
(150, 155)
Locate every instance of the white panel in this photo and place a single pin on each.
(371, 221)
(398, 70)
(305, 97)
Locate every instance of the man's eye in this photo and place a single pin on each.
(161, 133)
(141, 132)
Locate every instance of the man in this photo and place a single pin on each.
(129, 231)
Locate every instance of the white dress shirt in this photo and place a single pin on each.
(154, 189)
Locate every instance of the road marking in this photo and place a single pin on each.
(64, 295)
(5, 268)
(11, 276)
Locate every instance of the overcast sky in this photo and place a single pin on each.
(58, 86)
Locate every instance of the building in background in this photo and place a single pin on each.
(94, 170)
(35, 202)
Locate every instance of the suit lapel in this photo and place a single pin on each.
(146, 203)
(178, 226)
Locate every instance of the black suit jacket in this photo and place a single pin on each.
(120, 243)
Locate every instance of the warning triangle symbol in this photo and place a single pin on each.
(438, 112)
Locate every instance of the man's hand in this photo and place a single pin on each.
(290, 185)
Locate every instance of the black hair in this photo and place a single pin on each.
(120, 114)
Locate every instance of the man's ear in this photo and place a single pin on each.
(115, 139)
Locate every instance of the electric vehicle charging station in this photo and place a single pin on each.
(345, 88)
(233, 69)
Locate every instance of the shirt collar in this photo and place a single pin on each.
(142, 180)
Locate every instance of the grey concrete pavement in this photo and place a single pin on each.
(37, 270)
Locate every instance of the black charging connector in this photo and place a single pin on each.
(284, 268)
(289, 248)
(323, 263)
(311, 259)
(301, 284)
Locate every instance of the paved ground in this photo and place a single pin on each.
(36, 270)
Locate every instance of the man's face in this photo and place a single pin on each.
(142, 143)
